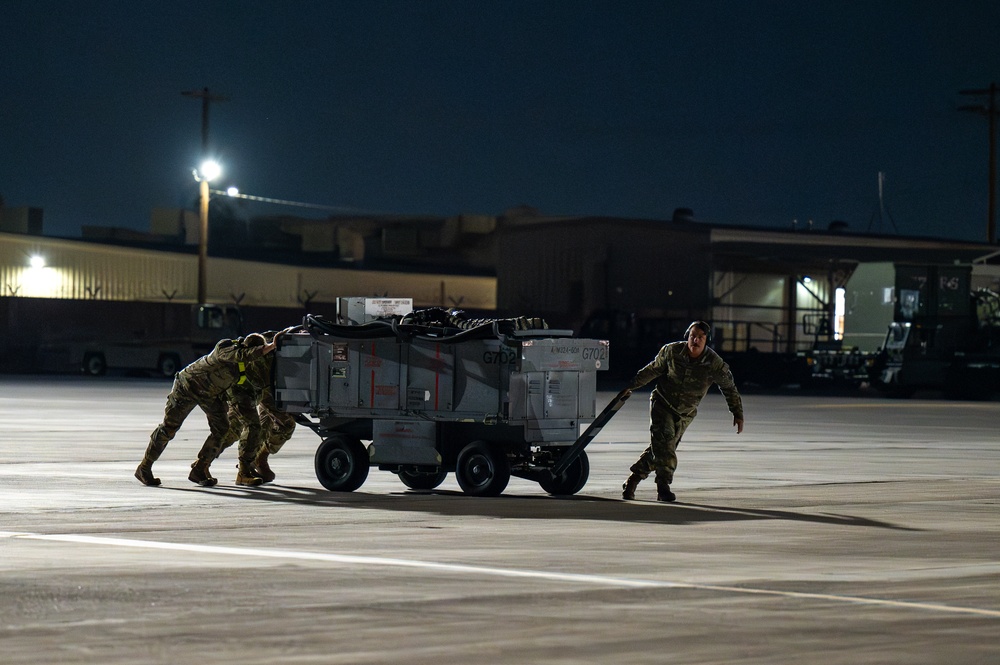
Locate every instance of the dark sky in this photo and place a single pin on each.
(747, 112)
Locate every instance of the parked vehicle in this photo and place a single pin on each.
(160, 338)
(944, 335)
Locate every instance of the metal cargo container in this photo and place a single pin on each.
(489, 401)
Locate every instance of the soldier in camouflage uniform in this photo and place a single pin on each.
(254, 418)
(684, 371)
(204, 383)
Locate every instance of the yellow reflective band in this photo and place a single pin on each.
(243, 374)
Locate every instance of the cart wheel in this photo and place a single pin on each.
(482, 470)
(341, 464)
(571, 480)
(416, 480)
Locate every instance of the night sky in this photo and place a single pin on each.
(752, 113)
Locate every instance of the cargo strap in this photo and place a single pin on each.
(243, 374)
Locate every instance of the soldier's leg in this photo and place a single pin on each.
(664, 434)
(180, 403)
(236, 427)
(277, 428)
(643, 466)
(251, 439)
(218, 426)
(282, 426)
(270, 439)
(669, 430)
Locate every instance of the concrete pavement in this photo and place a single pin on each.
(833, 530)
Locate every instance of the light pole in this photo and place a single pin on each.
(991, 110)
(209, 171)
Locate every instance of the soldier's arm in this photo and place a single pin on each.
(651, 371)
(724, 379)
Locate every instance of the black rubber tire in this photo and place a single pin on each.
(482, 470)
(94, 364)
(571, 480)
(341, 463)
(422, 481)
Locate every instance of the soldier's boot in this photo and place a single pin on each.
(200, 475)
(263, 469)
(663, 492)
(144, 473)
(157, 443)
(628, 487)
(246, 475)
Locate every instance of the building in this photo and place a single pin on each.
(763, 289)
(769, 290)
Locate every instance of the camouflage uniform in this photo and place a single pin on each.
(254, 419)
(203, 383)
(681, 383)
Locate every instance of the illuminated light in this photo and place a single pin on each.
(210, 170)
(41, 282)
(233, 191)
(807, 279)
(37, 261)
(839, 310)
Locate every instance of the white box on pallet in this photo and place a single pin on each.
(358, 311)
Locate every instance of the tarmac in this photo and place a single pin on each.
(835, 529)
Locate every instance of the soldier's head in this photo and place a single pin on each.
(254, 339)
(697, 335)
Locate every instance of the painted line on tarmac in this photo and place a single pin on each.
(950, 406)
(578, 578)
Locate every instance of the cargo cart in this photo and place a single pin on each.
(429, 393)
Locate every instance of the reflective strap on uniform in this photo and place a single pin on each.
(243, 374)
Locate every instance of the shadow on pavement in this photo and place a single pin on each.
(447, 503)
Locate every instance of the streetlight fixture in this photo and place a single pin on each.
(210, 170)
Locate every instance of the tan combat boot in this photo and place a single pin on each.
(664, 494)
(263, 469)
(246, 475)
(628, 487)
(144, 473)
(200, 475)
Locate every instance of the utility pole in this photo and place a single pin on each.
(206, 99)
(989, 109)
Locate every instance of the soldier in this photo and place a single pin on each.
(261, 429)
(244, 422)
(204, 383)
(684, 371)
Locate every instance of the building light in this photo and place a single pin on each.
(39, 280)
(839, 309)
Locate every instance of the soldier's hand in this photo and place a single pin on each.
(738, 422)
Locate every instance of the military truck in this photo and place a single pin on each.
(944, 334)
(97, 336)
(430, 393)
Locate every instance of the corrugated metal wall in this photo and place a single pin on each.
(82, 270)
(570, 269)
